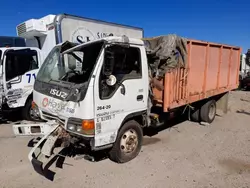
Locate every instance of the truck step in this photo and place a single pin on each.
(158, 124)
(153, 116)
(155, 120)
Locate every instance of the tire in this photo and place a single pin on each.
(208, 111)
(26, 111)
(130, 129)
(195, 116)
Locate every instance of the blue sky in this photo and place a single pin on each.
(223, 21)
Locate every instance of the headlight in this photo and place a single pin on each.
(72, 127)
(79, 129)
(86, 127)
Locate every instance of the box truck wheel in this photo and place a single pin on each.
(208, 111)
(128, 143)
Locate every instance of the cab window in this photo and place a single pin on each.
(127, 65)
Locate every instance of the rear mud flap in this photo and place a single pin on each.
(33, 129)
(43, 154)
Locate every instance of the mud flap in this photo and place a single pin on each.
(42, 155)
(33, 129)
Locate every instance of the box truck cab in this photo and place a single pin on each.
(18, 70)
(41, 36)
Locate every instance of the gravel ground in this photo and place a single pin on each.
(187, 155)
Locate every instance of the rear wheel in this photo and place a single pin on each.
(128, 143)
(208, 111)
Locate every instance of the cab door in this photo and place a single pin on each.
(126, 95)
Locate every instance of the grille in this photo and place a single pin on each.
(21, 29)
(49, 116)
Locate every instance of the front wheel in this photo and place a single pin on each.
(128, 143)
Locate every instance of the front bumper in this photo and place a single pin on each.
(45, 152)
(27, 128)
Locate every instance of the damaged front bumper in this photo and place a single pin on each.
(27, 128)
(47, 151)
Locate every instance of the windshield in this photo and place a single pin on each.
(18, 62)
(74, 66)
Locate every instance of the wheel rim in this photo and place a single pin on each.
(129, 141)
(212, 111)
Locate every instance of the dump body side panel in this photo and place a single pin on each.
(211, 69)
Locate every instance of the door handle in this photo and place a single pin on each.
(139, 97)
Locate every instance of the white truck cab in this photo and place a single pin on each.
(92, 94)
(93, 91)
(244, 66)
(19, 67)
(18, 70)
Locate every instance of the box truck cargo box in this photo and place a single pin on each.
(50, 30)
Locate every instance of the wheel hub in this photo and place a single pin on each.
(129, 141)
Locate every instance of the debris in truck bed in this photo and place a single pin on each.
(165, 53)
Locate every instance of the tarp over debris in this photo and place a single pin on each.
(166, 53)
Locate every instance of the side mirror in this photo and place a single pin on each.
(111, 81)
(108, 62)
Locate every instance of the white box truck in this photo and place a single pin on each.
(51, 30)
(19, 66)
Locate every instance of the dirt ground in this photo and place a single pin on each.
(186, 155)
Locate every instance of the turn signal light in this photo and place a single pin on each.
(88, 126)
(33, 105)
